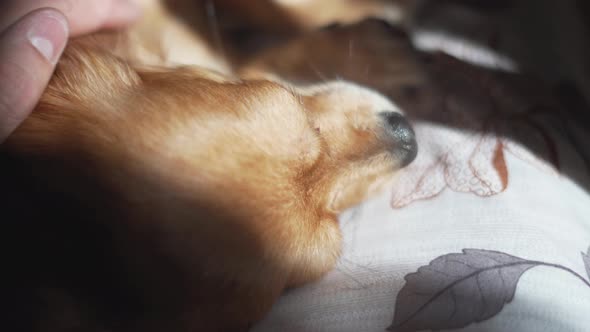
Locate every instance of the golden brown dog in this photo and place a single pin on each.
(145, 196)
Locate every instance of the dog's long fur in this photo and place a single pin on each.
(145, 196)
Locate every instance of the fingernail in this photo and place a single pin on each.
(48, 34)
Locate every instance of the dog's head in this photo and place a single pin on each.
(232, 178)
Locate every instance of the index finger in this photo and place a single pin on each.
(83, 16)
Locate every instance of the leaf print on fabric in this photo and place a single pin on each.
(474, 120)
(487, 167)
(441, 295)
(586, 259)
(459, 289)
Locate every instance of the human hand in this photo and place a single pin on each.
(33, 34)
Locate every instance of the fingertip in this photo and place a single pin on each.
(29, 50)
(48, 33)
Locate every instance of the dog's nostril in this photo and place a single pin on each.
(400, 132)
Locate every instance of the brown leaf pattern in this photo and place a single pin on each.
(484, 117)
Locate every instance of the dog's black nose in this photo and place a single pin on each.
(401, 134)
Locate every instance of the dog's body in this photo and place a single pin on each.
(143, 196)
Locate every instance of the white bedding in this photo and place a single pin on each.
(486, 231)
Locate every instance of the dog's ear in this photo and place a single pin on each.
(89, 87)
(89, 73)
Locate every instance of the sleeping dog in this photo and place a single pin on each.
(153, 190)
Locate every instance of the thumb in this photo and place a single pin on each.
(29, 50)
